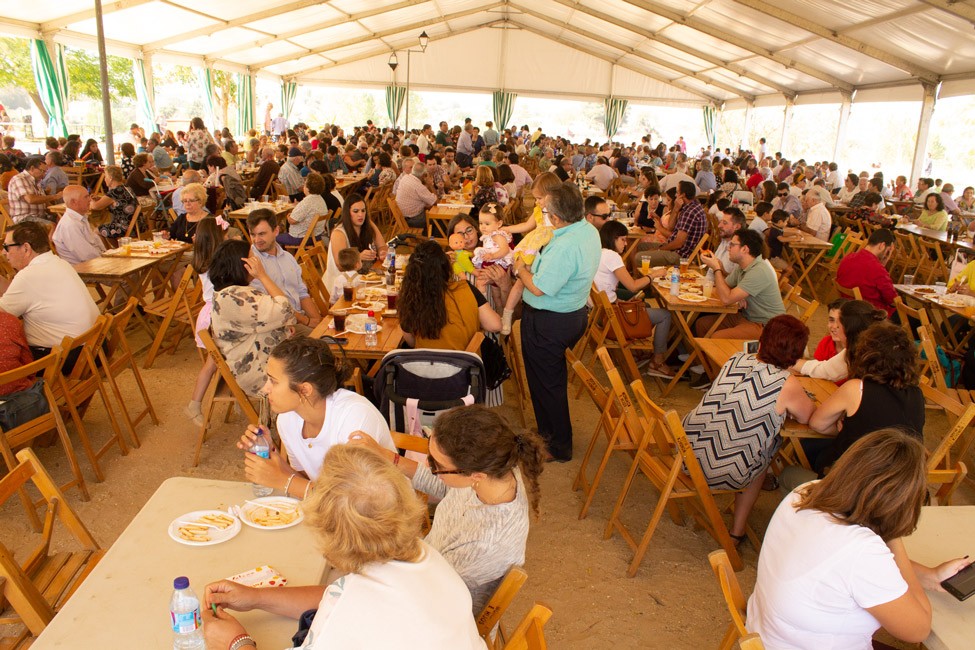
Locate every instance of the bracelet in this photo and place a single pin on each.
(287, 485)
(307, 487)
(396, 459)
(241, 641)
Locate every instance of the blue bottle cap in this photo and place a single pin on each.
(181, 582)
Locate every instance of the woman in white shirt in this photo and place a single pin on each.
(846, 322)
(612, 273)
(303, 379)
(833, 568)
(397, 591)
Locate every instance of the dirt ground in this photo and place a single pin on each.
(672, 602)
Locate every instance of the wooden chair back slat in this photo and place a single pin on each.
(734, 598)
(494, 609)
(530, 633)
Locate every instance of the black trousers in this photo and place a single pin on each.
(545, 336)
(69, 361)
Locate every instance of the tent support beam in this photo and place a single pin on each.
(923, 129)
(743, 141)
(103, 74)
(150, 84)
(768, 9)
(88, 14)
(954, 8)
(845, 109)
(790, 103)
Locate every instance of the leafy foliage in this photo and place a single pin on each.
(85, 78)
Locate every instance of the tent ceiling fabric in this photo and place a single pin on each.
(666, 51)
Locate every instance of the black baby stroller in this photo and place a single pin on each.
(437, 379)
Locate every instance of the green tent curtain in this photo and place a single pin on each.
(289, 90)
(709, 131)
(205, 75)
(502, 106)
(143, 98)
(615, 110)
(51, 80)
(245, 104)
(395, 96)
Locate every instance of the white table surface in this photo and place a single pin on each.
(124, 603)
(946, 532)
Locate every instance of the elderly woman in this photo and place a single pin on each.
(735, 429)
(704, 179)
(833, 567)
(247, 323)
(355, 231)
(437, 311)
(397, 591)
(194, 198)
(120, 202)
(556, 288)
(140, 178)
(485, 475)
(300, 219)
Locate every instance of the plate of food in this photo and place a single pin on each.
(691, 297)
(370, 294)
(373, 278)
(271, 513)
(925, 291)
(204, 528)
(356, 323)
(690, 287)
(368, 305)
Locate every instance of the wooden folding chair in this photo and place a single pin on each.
(75, 391)
(666, 458)
(804, 309)
(224, 389)
(315, 257)
(405, 442)
(618, 422)
(734, 598)
(906, 313)
(489, 620)
(906, 256)
(399, 225)
(39, 588)
(695, 256)
(932, 264)
(751, 642)
(941, 471)
(117, 357)
(594, 334)
(45, 369)
(279, 190)
(530, 633)
(179, 310)
(512, 345)
(308, 234)
(134, 223)
(608, 332)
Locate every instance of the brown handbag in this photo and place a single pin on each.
(633, 319)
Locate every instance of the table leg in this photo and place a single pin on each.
(684, 321)
(804, 276)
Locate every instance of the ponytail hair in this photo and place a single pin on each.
(478, 439)
(308, 360)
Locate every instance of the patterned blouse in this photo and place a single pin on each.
(247, 323)
(386, 175)
(196, 145)
(127, 166)
(121, 211)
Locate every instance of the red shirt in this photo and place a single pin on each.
(14, 352)
(862, 269)
(826, 349)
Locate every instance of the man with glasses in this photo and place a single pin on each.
(28, 202)
(597, 211)
(784, 200)
(46, 292)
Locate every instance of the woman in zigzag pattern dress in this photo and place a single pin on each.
(735, 429)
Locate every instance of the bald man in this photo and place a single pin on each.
(74, 237)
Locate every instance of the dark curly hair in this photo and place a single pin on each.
(478, 439)
(886, 355)
(311, 361)
(422, 298)
(855, 317)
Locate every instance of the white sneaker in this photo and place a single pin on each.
(195, 415)
(683, 357)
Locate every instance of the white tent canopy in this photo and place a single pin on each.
(723, 52)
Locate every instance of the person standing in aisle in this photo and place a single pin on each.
(554, 314)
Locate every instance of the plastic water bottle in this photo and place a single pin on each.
(262, 448)
(674, 281)
(184, 614)
(372, 327)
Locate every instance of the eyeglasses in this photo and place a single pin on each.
(604, 215)
(436, 471)
(468, 231)
(7, 247)
(733, 243)
(783, 194)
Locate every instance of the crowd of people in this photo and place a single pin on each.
(538, 268)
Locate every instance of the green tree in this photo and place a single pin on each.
(84, 77)
(16, 71)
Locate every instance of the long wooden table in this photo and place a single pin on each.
(946, 330)
(389, 338)
(122, 604)
(239, 216)
(805, 251)
(939, 236)
(944, 533)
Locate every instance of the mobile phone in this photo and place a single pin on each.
(962, 584)
(750, 347)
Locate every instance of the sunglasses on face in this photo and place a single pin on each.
(435, 468)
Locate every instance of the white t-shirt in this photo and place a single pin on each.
(758, 225)
(606, 280)
(421, 604)
(816, 579)
(345, 413)
(819, 221)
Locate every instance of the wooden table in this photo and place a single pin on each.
(440, 216)
(943, 533)
(805, 251)
(947, 331)
(389, 338)
(239, 216)
(939, 236)
(123, 603)
(131, 273)
(685, 313)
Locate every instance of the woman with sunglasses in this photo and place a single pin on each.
(486, 476)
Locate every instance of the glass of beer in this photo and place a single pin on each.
(338, 319)
(645, 266)
(392, 295)
(348, 292)
(684, 265)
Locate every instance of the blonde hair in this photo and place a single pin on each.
(364, 510)
(115, 173)
(195, 191)
(484, 176)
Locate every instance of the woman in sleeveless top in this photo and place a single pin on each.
(735, 429)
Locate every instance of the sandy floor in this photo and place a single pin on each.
(673, 602)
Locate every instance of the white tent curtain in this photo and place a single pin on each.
(709, 124)
(395, 97)
(289, 91)
(143, 98)
(615, 110)
(51, 78)
(245, 104)
(502, 106)
(205, 75)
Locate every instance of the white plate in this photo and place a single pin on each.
(356, 323)
(246, 509)
(692, 297)
(217, 535)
